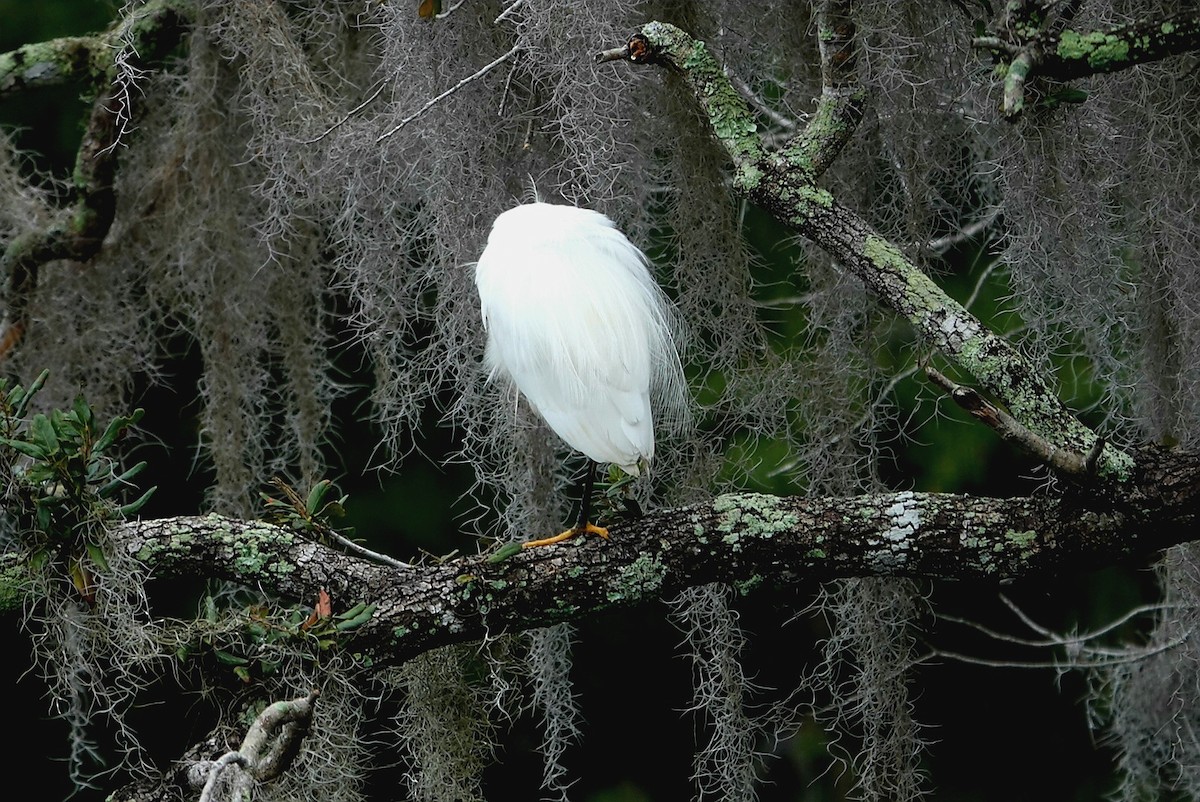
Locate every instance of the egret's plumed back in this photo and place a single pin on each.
(577, 323)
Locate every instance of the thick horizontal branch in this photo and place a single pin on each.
(1074, 54)
(747, 540)
(50, 63)
(784, 185)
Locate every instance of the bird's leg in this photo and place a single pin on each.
(586, 480)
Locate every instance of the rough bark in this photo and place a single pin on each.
(746, 540)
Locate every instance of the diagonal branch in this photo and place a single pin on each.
(785, 185)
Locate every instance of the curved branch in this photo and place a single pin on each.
(271, 744)
(843, 98)
(77, 231)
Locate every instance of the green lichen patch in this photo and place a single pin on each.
(1100, 50)
(640, 579)
(752, 515)
(1024, 542)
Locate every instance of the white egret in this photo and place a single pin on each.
(576, 322)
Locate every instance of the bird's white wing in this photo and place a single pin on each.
(572, 317)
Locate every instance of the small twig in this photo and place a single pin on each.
(507, 85)
(613, 54)
(979, 284)
(1019, 70)
(1121, 658)
(1009, 429)
(450, 10)
(350, 114)
(995, 43)
(433, 102)
(1050, 638)
(504, 14)
(760, 105)
(969, 231)
(365, 552)
(214, 772)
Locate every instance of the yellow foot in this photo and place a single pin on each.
(567, 535)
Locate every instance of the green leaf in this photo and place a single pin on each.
(41, 430)
(19, 412)
(120, 481)
(362, 617)
(25, 447)
(352, 612)
(316, 495)
(230, 659)
(38, 559)
(83, 413)
(243, 673)
(132, 507)
(504, 552)
(66, 427)
(116, 428)
(96, 554)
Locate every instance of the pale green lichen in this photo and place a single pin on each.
(752, 515)
(811, 194)
(885, 255)
(728, 114)
(748, 586)
(252, 548)
(1098, 48)
(641, 578)
(1023, 541)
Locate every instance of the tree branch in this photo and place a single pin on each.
(271, 744)
(746, 540)
(77, 231)
(1037, 46)
(784, 185)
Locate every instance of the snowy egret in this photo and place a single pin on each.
(576, 322)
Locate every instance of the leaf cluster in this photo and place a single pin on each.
(310, 514)
(62, 474)
(260, 644)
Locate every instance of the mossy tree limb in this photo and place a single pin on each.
(1045, 47)
(745, 540)
(784, 184)
(152, 30)
(77, 232)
